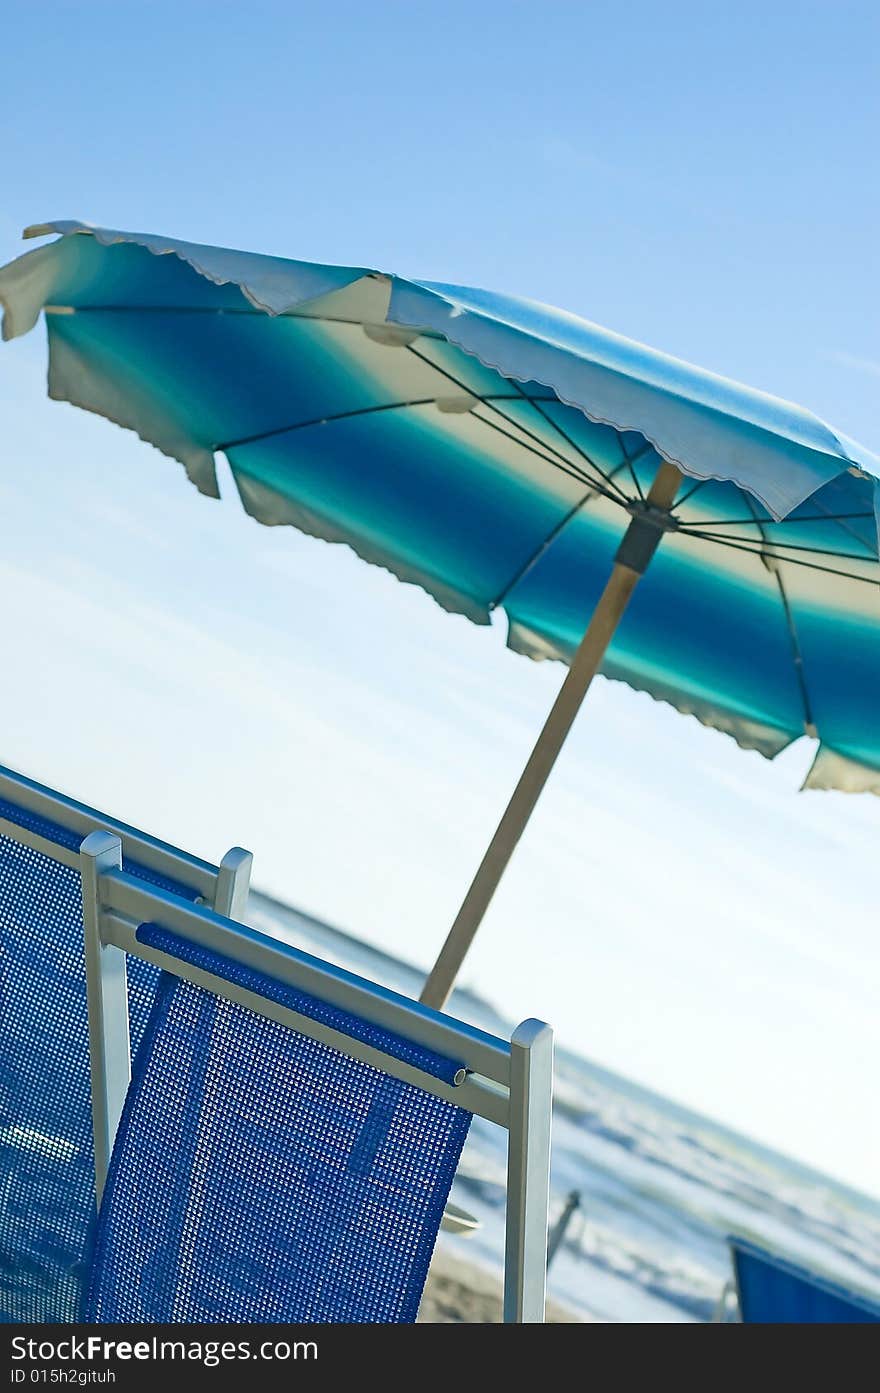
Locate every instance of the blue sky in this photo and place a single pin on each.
(704, 178)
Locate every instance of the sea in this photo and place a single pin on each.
(659, 1188)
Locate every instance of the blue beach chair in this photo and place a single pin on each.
(48, 1151)
(772, 1291)
(291, 1131)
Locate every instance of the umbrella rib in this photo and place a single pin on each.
(797, 653)
(613, 491)
(246, 310)
(789, 560)
(554, 425)
(547, 542)
(783, 546)
(321, 421)
(701, 483)
(486, 399)
(629, 464)
(779, 522)
(539, 551)
(839, 520)
(564, 466)
(328, 419)
(175, 309)
(518, 393)
(634, 477)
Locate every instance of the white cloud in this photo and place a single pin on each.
(853, 360)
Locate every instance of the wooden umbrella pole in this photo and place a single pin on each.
(634, 554)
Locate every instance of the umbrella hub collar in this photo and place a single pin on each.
(642, 537)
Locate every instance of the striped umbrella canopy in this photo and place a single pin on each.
(502, 455)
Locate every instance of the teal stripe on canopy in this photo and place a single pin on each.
(491, 450)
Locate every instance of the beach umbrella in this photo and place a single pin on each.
(502, 455)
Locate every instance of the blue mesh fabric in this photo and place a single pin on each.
(63, 836)
(409, 1051)
(46, 1161)
(143, 980)
(45, 1114)
(259, 1175)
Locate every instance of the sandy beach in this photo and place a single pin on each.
(458, 1290)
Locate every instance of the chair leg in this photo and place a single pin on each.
(528, 1172)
